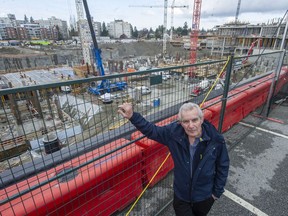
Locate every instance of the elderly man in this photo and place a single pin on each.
(201, 160)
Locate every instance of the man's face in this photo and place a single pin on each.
(191, 123)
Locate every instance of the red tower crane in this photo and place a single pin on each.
(194, 33)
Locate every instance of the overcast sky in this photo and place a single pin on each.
(213, 12)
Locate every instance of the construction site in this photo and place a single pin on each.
(59, 119)
(117, 57)
(33, 115)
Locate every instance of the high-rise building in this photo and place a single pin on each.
(11, 33)
(52, 29)
(119, 28)
(54, 22)
(5, 22)
(33, 30)
(22, 33)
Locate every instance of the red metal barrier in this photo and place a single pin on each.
(100, 188)
(154, 154)
(213, 116)
(256, 95)
(233, 111)
(114, 181)
(211, 102)
(283, 79)
(208, 115)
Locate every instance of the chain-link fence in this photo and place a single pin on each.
(65, 150)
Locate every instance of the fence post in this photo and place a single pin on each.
(225, 92)
(274, 82)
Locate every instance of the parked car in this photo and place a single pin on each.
(166, 77)
(66, 89)
(143, 89)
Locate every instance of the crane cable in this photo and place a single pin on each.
(164, 161)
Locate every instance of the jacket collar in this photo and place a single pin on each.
(204, 136)
(182, 137)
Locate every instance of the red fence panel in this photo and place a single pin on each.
(100, 188)
(233, 112)
(257, 94)
(154, 154)
(283, 78)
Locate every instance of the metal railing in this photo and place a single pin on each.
(47, 127)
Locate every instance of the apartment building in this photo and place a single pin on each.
(52, 22)
(119, 28)
(10, 28)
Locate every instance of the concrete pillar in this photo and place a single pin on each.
(56, 101)
(14, 106)
(223, 47)
(243, 44)
(36, 103)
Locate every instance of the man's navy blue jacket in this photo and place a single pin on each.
(210, 163)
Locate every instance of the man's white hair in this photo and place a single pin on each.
(187, 107)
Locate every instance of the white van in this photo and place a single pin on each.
(166, 76)
(186, 46)
(66, 89)
(143, 89)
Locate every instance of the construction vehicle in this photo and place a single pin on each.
(144, 90)
(200, 88)
(105, 86)
(250, 51)
(66, 89)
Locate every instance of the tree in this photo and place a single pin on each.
(104, 31)
(150, 34)
(25, 19)
(159, 32)
(60, 36)
(143, 33)
(185, 29)
(31, 20)
(123, 36)
(178, 31)
(135, 33)
(203, 31)
(72, 32)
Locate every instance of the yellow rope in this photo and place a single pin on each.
(148, 184)
(219, 75)
(169, 152)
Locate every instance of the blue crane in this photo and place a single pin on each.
(105, 85)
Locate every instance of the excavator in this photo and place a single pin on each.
(244, 61)
(200, 88)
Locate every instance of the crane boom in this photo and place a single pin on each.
(165, 18)
(172, 19)
(195, 30)
(237, 11)
(105, 86)
(159, 6)
(165, 27)
(96, 49)
(172, 16)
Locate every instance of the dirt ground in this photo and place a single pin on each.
(123, 49)
(12, 57)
